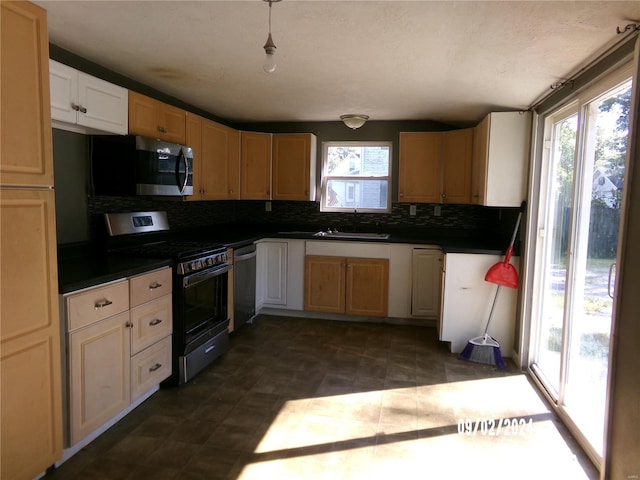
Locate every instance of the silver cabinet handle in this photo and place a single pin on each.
(78, 108)
(154, 322)
(609, 289)
(154, 286)
(208, 349)
(102, 303)
(155, 367)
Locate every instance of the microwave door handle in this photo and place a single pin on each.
(183, 154)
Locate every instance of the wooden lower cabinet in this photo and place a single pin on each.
(352, 286)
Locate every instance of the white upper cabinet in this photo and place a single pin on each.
(85, 103)
(501, 159)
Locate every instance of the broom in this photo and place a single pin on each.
(485, 348)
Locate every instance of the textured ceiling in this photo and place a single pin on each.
(449, 61)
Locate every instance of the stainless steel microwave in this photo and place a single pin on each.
(134, 165)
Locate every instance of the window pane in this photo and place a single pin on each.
(358, 161)
(356, 193)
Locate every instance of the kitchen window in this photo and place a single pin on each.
(356, 176)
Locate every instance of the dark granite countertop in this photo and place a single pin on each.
(83, 266)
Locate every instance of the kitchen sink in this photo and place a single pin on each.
(360, 235)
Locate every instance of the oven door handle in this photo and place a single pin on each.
(199, 277)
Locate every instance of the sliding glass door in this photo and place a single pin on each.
(581, 191)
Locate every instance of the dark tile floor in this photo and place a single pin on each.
(315, 399)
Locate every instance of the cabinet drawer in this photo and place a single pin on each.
(151, 322)
(150, 367)
(149, 286)
(97, 304)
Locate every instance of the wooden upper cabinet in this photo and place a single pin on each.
(255, 166)
(294, 166)
(435, 167)
(420, 167)
(216, 162)
(457, 151)
(221, 162)
(149, 117)
(26, 156)
(501, 159)
(479, 163)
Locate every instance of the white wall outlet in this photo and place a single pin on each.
(437, 210)
(267, 206)
(412, 210)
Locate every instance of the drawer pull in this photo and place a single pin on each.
(155, 367)
(154, 322)
(155, 285)
(129, 324)
(102, 303)
(208, 349)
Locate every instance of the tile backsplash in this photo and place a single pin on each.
(185, 215)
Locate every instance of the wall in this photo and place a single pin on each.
(71, 179)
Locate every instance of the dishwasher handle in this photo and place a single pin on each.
(246, 256)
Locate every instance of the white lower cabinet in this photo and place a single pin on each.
(279, 274)
(99, 374)
(467, 301)
(119, 348)
(426, 279)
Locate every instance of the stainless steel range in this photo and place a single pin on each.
(200, 286)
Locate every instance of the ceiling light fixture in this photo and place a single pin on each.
(354, 121)
(269, 65)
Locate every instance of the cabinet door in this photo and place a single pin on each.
(26, 147)
(172, 123)
(426, 280)
(193, 137)
(64, 91)
(143, 116)
(255, 166)
(293, 169)
(30, 389)
(103, 105)
(274, 258)
(367, 287)
(324, 283)
(467, 301)
(479, 161)
(457, 151)
(99, 374)
(221, 168)
(420, 167)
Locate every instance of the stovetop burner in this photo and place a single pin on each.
(129, 234)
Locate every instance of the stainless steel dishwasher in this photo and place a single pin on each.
(244, 285)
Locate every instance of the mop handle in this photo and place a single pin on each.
(493, 306)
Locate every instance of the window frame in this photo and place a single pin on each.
(325, 177)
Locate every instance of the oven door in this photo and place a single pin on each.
(204, 301)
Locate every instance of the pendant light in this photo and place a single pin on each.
(269, 65)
